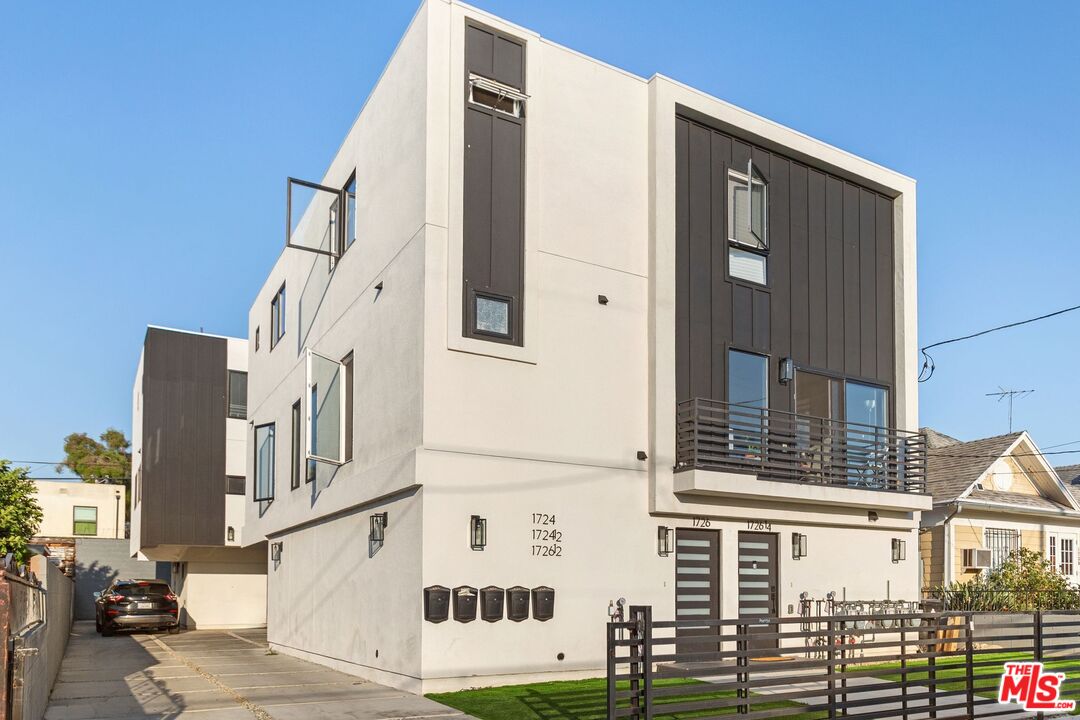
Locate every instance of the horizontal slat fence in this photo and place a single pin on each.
(869, 667)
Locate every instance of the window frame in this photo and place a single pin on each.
(295, 442)
(273, 463)
(733, 243)
(228, 395)
(1056, 552)
(511, 312)
(277, 317)
(312, 419)
(347, 363)
(229, 485)
(1001, 533)
(75, 521)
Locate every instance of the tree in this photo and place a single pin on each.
(20, 513)
(108, 461)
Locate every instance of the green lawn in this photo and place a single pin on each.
(579, 700)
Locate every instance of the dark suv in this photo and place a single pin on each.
(146, 604)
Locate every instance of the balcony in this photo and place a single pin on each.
(785, 447)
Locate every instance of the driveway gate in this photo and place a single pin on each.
(911, 665)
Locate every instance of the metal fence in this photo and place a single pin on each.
(913, 665)
(784, 446)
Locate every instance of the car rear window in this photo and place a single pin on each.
(129, 589)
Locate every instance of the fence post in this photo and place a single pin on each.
(641, 662)
(644, 613)
(1037, 650)
(830, 670)
(931, 664)
(742, 646)
(903, 669)
(969, 661)
(635, 666)
(612, 667)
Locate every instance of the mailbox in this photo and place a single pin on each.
(436, 603)
(517, 602)
(464, 603)
(543, 600)
(492, 600)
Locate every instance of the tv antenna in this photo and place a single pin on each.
(1011, 395)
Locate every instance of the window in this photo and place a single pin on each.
(350, 212)
(294, 465)
(748, 388)
(234, 485)
(264, 463)
(347, 364)
(277, 317)
(313, 437)
(256, 339)
(493, 315)
(1052, 554)
(326, 403)
(1001, 544)
(1065, 566)
(495, 95)
(748, 209)
(1062, 553)
(237, 395)
(85, 520)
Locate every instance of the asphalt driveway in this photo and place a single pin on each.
(214, 675)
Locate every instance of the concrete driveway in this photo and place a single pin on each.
(214, 675)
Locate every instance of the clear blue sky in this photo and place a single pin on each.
(144, 149)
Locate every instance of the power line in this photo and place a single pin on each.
(928, 366)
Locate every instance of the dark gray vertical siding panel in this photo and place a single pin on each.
(761, 323)
(780, 276)
(476, 218)
(852, 345)
(740, 155)
(506, 211)
(742, 311)
(885, 290)
(700, 158)
(184, 377)
(800, 272)
(721, 288)
(682, 260)
(834, 273)
(818, 271)
(479, 51)
(868, 283)
(509, 63)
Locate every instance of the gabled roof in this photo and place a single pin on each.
(1017, 500)
(935, 439)
(1069, 474)
(951, 469)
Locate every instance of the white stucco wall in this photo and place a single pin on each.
(221, 587)
(58, 498)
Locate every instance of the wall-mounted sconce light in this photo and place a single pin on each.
(602, 299)
(871, 516)
(642, 455)
(230, 534)
(787, 370)
(899, 550)
(798, 546)
(275, 551)
(378, 528)
(477, 532)
(665, 540)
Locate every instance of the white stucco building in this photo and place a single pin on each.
(73, 509)
(542, 297)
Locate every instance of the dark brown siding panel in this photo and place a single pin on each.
(183, 471)
(818, 305)
(493, 224)
(682, 260)
(852, 363)
(885, 283)
(800, 274)
(829, 300)
(868, 282)
(834, 271)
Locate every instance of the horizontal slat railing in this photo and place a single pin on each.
(905, 665)
(777, 445)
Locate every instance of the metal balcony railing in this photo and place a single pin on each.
(777, 445)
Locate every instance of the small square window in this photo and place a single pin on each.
(747, 265)
(493, 315)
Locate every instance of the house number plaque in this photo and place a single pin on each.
(547, 538)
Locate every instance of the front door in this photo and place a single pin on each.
(697, 586)
(758, 585)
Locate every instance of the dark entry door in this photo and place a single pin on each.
(697, 586)
(758, 585)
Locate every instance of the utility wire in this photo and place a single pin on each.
(928, 366)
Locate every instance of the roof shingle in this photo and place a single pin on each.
(952, 468)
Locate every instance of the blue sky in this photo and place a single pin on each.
(144, 148)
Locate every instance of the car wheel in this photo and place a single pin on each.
(97, 624)
(108, 630)
(174, 629)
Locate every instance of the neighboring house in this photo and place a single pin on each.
(550, 334)
(991, 497)
(73, 509)
(189, 447)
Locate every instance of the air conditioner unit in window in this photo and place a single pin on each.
(976, 559)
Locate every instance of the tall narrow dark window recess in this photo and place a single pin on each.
(237, 395)
(294, 460)
(347, 362)
(264, 463)
(277, 317)
(493, 235)
(748, 224)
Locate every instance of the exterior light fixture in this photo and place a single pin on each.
(602, 299)
(477, 532)
(798, 546)
(378, 527)
(872, 516)
(275, 551)
(665, 540)
(899, 550)
(230, 534)
(787, 370)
